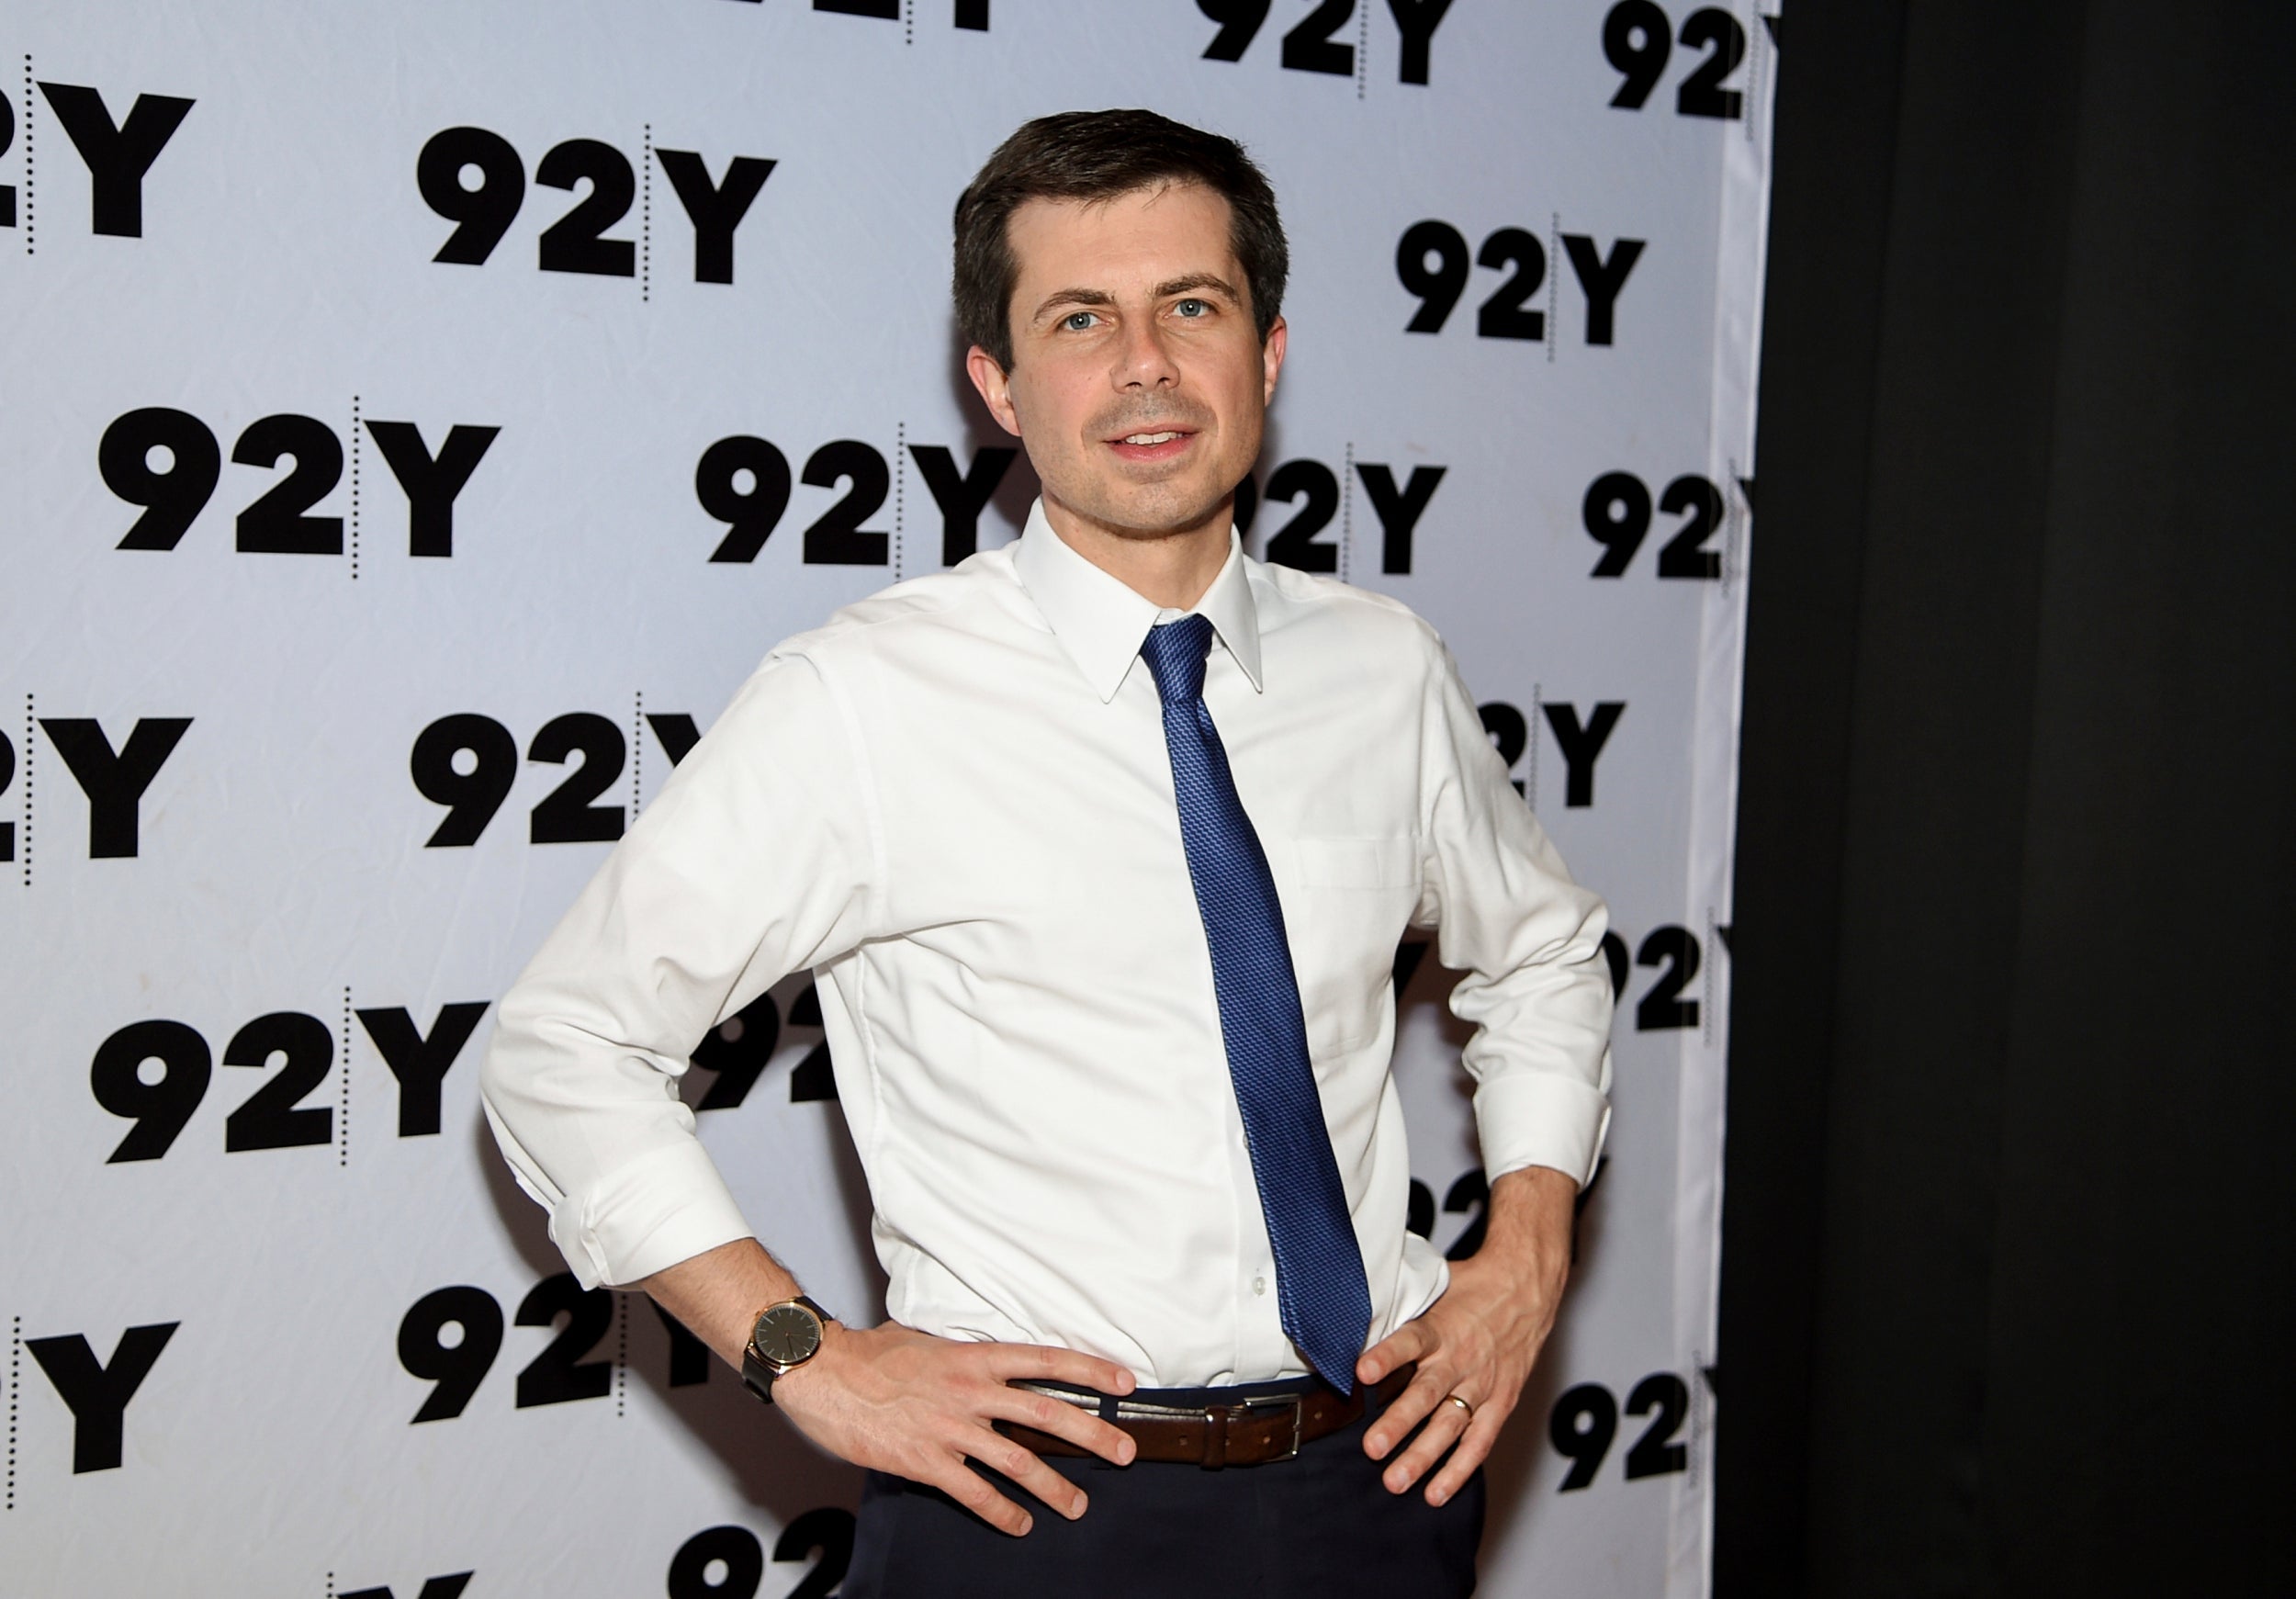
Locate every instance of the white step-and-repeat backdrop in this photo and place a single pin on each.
(420, 418)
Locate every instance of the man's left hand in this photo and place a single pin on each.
(1479, 1340)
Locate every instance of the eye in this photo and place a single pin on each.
(1078, 321)
(1193, 307)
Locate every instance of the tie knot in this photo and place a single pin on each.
(1174, 653)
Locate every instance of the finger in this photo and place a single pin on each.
(1020, 1464)
(1411, 1407)
(1411, 1341)
(1078, 1426)
(969, 1488)
(1043, 1363)
(1474, 1447)
(1445, 1425)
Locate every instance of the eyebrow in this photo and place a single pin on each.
(1199, 280)
(1081, 297)
(1096, 296)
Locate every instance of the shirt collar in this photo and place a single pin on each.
(1100, 621)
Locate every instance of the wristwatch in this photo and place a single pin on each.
(785, 1337)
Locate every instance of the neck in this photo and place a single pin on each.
(1171, 568)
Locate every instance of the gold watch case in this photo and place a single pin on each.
(786, 1335)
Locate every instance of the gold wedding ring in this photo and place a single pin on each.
(1455, 1399)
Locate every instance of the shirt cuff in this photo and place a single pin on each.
(1541, 1118)
(666, 1206)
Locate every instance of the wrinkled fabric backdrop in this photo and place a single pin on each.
(420, 419)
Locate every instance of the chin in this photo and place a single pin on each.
(1161, 513)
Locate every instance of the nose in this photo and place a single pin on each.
(1144, 361)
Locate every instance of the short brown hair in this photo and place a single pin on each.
(1098, 155)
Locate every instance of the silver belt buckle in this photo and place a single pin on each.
(1293, 1402)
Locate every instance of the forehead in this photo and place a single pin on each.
(1152, 234)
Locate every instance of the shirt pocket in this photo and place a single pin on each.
(1346, 903)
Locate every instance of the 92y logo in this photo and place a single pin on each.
(1616, 515)
(568, 814)
(1430, 263)
(1316, 489)
(744, 481)
(168, 462)
(117, 154)
(484, 209)
(1634, 41)
(98, 1392)
(155, 1074)
(1585, 1421)
(1580, 740)
(1314, 44)
(568, 1369)
(114, 780)
(562, 1373)
(449, 1586)
(736, 1552)
(970, 14)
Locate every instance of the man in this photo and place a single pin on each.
(1099, 848)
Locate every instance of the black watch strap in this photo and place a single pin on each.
(757, 1374)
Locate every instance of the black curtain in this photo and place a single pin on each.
(2009, 1293)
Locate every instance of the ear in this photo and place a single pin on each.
(1272, 358)
(994, 388)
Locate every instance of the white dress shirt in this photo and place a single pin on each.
(955, 804)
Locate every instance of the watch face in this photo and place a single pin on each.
(786, 1335)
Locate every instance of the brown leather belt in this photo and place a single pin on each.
(1249, 1432)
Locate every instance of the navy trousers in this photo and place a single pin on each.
(1319, 1526)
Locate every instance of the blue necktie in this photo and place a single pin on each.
(1321, 1295)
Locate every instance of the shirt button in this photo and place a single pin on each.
(1259, 1285)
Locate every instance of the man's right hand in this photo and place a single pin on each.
(898, 1400)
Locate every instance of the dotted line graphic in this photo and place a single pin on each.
(15, 1372)
(1753, 78)
(908, 21)
(620, 1351)
(1347, 509)
(646, 220)
(1530, 773)
(343, 1123)
(29, 747)
(1363, 47)
(1554, 279)
(331, 1585)
(1705, 1011)
(1701, 1398)
(30, 115)
(355, 487)
(900, 474)
(637, 750)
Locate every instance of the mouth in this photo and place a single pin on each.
(1160, 444)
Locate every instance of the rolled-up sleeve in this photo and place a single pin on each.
(756, 860)
(1506, 912)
